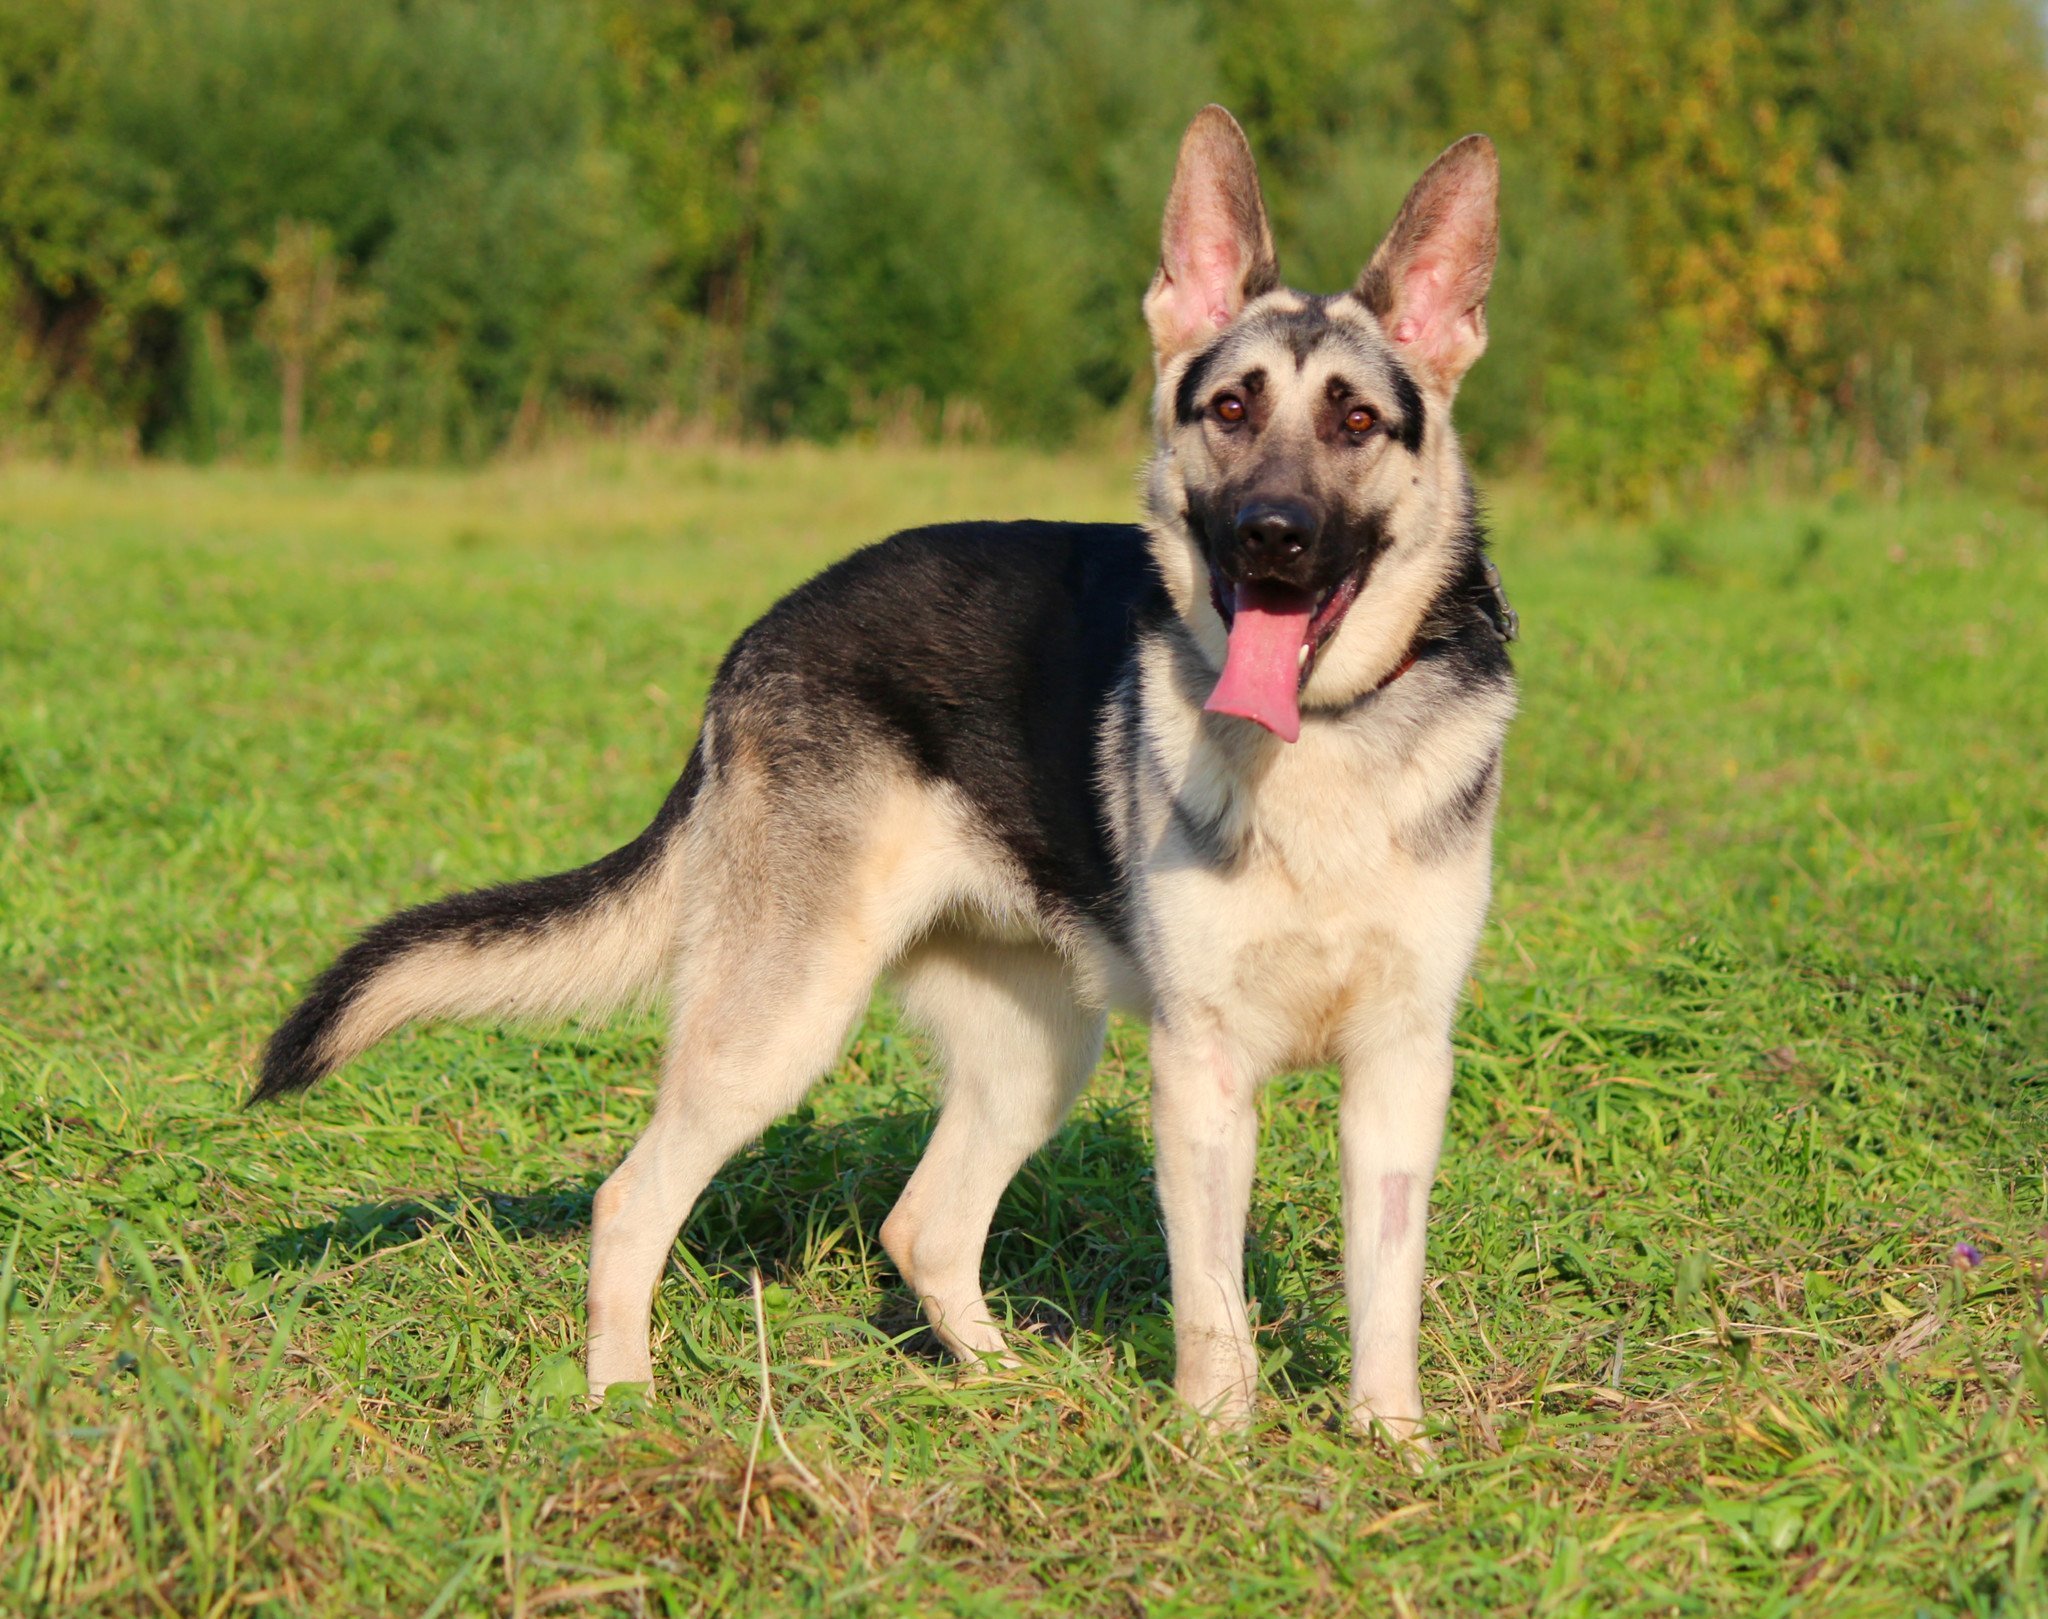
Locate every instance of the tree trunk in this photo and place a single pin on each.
(293, 370)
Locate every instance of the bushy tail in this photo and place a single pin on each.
(589, 940)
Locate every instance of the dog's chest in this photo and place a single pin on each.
(1280, 898)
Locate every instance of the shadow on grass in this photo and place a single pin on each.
(1076, 1241)
(359, 1230)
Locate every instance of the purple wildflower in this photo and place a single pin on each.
(1967, 1255)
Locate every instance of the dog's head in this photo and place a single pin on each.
(1308, 494)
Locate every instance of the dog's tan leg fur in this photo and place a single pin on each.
(1016, 1048)
(771, 975)
(1391, 1128)
(1205, 1124)
(732, 1069)
(1397, 1068)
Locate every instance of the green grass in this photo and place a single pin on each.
(1754, 1042)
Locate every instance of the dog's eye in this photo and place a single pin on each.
(1358, 419)
(1228, 408)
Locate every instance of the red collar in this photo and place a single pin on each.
(1400, 669)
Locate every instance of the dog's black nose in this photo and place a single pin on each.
(1274, 532)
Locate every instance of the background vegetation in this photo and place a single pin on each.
(1755, 1043)
(374, 230)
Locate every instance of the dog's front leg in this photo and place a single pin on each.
(1391, 1125)
(1205, 1130)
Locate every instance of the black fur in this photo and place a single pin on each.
(1187, 394)
(985, 654)
(1463, 628)
(1343, 541)
(1447, 826)
(1408, 430)
(1302, 331)
(292, 1060)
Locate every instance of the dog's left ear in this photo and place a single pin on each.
(1428, 281)
(1215, 248)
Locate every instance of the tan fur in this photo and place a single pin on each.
(1324, 940)
(1017, 1044)
(780, 949)
(1428, 281)
(1336, 930)
(608, 958)
(1216, 249)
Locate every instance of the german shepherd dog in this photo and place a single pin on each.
(1233, 770)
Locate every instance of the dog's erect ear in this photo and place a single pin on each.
(1427, 283)
(1215, 249)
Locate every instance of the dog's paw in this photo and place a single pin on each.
(610, 1362)
(622, 1399)
(987, 1366)
(1224, 1410)
(1404, 1438)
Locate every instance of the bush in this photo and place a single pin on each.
(451, 154)
(979, 239)
(918, 265)
(1624, 436)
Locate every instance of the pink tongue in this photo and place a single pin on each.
(1261, 678)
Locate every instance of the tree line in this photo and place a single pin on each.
(369, 230)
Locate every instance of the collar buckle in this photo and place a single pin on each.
(1507, 623)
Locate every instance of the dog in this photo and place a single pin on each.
(1233, 770)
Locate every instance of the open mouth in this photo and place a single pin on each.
(1275, 633)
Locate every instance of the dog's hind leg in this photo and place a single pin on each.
(779, 954)
(1016, 1047)
(742, 1054)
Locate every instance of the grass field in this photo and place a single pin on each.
(1754, 1044)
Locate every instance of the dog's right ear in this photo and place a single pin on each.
(1215, 249)
(1428, 281)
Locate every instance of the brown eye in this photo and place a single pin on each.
(1228, 408)
(1358, 419)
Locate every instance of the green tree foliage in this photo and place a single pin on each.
(89, 281)
(1727, 222)
(1938, 129)
(697, 95)
(929, 271)
(306, 319)
(976, 233)
(453, 154)
(1830, 202)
